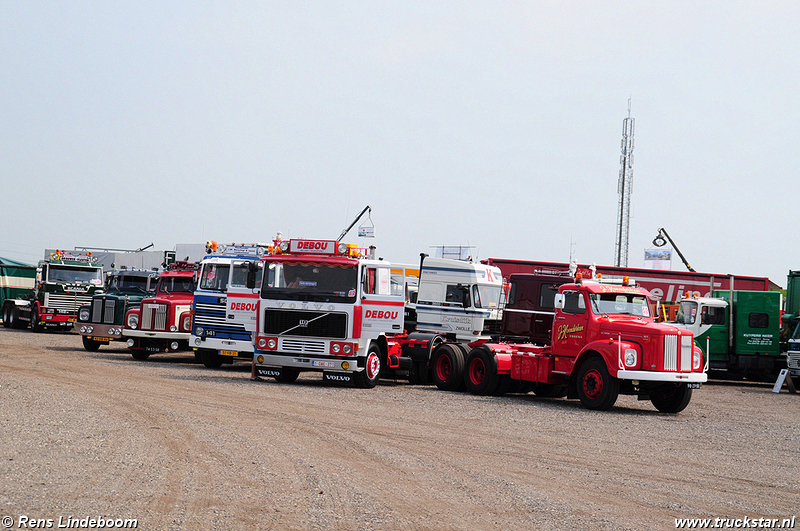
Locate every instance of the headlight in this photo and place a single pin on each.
(89, 329)
(342, 248)
(272, 343)
(284, 246)
(173, 328)
(262, 343)
(347, 348)
(336, 348)
(133, 321)
(83, 330)
(187, 322)
(83, 314)
(199, 331)
(697, 359)
(630, 357)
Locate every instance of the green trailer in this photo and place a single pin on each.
(739, 334)
(16, 280)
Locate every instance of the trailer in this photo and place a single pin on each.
(16, 280)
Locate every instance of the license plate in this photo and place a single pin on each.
(71, 319)
(318, 363)
(228, 353)
(152, 349)
(95, 338)
(693, 386)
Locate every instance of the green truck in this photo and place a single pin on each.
(103, 320)
(64, 281)
(740, 335)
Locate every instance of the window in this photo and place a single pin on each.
(758, 320)
(215, 277)
(457, 295)
(713, 315)
(573, 302)
(547, 297)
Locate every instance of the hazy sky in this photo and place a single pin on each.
(492, 124)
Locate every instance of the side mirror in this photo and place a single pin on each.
(252, 270)
(559, 301)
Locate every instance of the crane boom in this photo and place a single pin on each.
(661, 239)
(345, 231)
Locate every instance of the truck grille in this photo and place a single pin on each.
(213, 317)
(154, 316)
(104, 310)
(793, 360)
(301, 346)
(65, 303)
(305, 323)
(677, 353)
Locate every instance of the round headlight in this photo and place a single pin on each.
(262, 343)
(173, 328)
(347, 348)
(336, 348)
(131, 342)
(272, 343)
(284, 246)
(133, 321)
(83, 330)
(198, 341)
(199, 331)
(83, 314)
(174, 345)
(630, 357)
(89, 329)
(342, 248)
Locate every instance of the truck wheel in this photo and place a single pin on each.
(448, 367)
(90, 344)
(287, 375)
(210, 358)
(596, 388)
(480, 376)
(35, 327)
(6, 316)
(140, 354)
(368, 378)
(672, 398)
(15, 322)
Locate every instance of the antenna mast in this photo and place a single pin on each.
(624, 190)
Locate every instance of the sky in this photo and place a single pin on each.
(495, 125)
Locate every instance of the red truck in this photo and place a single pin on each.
(603, 342)
(163, 322)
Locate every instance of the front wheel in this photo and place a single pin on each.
(287, 375)
(672, 398)
(90, 344)
(368, 378)
(140, 354)
(6, 316)
(35, 326)
(596, 388)
(210, 358)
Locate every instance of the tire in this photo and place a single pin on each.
(90, 344)
(35, 326)
(596, 388)
(480, 374)
(448, 367)
(550, 390)
(672, 398)
(140, 354)
(6, 316)
(210, 358)
(419, 374)
(15, 322)
(368, 378)
(287, 375)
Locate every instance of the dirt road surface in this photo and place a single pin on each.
(175, 445)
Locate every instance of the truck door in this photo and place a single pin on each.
(383, 311)
(570, 327)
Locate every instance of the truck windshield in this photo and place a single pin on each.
(619, 304)
(79, 275)
(176, 285)
(310, 282)
(687, 312)
(131, 282)
(486, 296)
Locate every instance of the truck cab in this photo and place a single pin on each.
(459, 300)
(530, 307)
(742, 340)
(103, 320)
(224, 304)
(162, 323)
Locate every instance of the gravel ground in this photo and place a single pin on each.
(175, 445)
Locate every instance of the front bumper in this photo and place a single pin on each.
(675, 377)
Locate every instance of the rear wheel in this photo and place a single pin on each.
(671, 399)
(90, 344)
(448, 367)
(15, 322)
(368, 378)
(550, 390)
(596, 388)
(480, 376)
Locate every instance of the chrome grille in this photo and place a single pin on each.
(302, 346)
(154, 317)
(670, 352)
(686, 353)
(64, 302)
(793, 359)
(103, 310)
(678, 353)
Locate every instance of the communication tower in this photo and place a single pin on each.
(624, 190)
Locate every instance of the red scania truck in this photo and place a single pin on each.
(604, 342)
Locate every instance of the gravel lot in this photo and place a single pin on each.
(178, 446)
